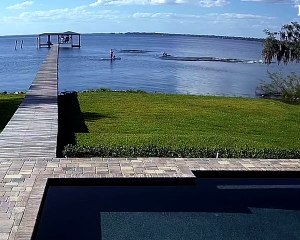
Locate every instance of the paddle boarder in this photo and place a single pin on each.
(112, 56)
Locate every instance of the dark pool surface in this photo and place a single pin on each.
(221, 208)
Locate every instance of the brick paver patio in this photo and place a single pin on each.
(22, 182)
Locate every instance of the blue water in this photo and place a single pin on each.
(86, 68)
(19, 67)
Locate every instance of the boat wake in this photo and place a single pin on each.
(110, 59)
(210, 59)
(133, 51)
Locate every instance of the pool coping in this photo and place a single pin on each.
(23, 181)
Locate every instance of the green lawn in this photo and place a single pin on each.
(135, 119)
(9, 103)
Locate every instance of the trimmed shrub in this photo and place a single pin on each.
(154, 151)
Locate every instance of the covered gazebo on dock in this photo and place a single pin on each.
(71, 39)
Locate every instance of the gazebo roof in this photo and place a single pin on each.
(60, 33)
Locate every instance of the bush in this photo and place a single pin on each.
(154, 151)
(286, 88)
(135, 91)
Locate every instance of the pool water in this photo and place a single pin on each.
(211, 208)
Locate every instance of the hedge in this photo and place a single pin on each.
(154, 151)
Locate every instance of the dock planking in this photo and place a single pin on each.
(32, 131)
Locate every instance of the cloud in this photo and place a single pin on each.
(295, 3)
(202, 3)
(237, 24)
(53, 14)
(20, 5)
(211, 3)
(76, 14)
(240, 16)
(267, 1)
(209, 17)
(166, 16)
(274, 1)
(213, 18)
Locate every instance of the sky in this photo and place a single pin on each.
(246, 18)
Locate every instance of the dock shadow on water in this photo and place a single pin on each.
(71, 120)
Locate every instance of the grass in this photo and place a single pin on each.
(136, 119)
(9, 103)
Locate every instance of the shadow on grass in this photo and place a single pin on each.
(91, 117)
(7, 109)
(71, 120)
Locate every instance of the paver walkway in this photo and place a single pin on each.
(32, 131)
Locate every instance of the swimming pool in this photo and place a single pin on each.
(204, 208)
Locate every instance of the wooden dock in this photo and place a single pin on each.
(32, 131)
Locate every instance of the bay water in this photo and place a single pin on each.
(235, 69)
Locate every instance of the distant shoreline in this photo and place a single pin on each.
(160, 34)
(196, 35)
